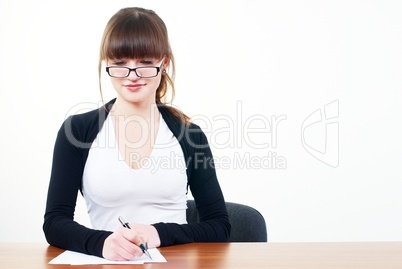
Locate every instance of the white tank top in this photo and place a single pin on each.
(154, 193)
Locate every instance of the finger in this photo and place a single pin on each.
(117, 257)
(117, 247)
(115, 252)
(134, 237)
(129, 250)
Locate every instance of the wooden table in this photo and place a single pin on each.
(381, 255)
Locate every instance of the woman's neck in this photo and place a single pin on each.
(147, 111)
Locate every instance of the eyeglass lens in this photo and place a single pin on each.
(140, 71)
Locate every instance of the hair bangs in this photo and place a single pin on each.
(137, 37)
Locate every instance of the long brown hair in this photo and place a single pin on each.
(140, 33)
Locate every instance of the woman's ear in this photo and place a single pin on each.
(166, 63)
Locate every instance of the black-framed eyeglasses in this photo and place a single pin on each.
(142, 71)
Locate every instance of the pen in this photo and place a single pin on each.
(142, 246)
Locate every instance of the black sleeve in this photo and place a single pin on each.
(214, 223)
(66, 176)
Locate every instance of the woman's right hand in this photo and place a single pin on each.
(122, 245)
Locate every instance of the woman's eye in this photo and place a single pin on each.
(119, 63)
(146, 62)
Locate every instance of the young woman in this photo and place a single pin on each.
(135, 157)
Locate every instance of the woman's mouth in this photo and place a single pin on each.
(134, 87)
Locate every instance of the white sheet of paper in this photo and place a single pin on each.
(76, 258)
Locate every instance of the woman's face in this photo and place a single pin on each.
(140, 85)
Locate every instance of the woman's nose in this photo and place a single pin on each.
(132, 75)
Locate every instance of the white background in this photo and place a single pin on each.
(240, 65)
